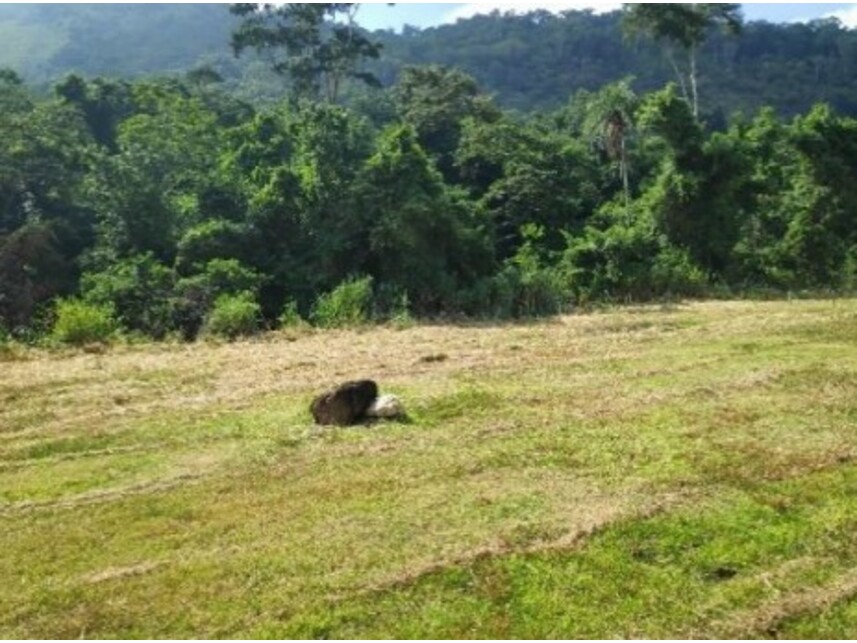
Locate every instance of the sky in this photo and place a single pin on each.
(385, 16)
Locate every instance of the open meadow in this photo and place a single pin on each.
(658, 471)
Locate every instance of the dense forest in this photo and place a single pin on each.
(527, 62)
(533, 61)
(169, 206)
(43, 42)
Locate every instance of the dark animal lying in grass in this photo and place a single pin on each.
(346, 404)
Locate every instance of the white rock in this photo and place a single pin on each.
(386, 406)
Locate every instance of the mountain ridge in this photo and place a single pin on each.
(529, 61)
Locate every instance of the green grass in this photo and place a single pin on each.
(678, 574)
(639, 472)
(837, 622)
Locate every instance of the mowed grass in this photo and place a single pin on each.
(680, 471)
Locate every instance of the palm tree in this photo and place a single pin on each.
(609, 123)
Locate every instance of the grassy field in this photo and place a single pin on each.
(682, 471)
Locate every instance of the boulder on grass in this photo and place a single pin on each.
(346, 404)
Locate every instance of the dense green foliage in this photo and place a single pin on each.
(348, 304)
(80, 323)
(317, 46)
(534, 61)
(233, 316)
(172, 203)
(529, 62)
(46, 41)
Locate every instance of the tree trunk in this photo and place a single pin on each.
(678, 74)
(693, 83)
(623, 169)
(334, 91)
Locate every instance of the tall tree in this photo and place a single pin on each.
(320, 45)
(686, 26)
(421, 239)
(609, 121)
(146, 194)
(103, 103)
(435, 101)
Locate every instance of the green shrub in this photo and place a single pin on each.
(233, 316)
(515, 292)
(675, 273)
(392, 303)
(213, 239)
(538, 289)
(625, 258)
(490, 297)
(539, 293)
(291, 317)
(5, 342)
(224, 277)
(78, 322)
(347, 305)
(139, 290)
(849, 270)
(401, 314)
(612, 264)
(196, 294)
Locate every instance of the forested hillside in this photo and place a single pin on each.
(43, 42)
(168, 205)
(528, 62)
(534, 61)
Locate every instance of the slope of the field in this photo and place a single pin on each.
(646, 472)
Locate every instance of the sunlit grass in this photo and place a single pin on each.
(647, 471)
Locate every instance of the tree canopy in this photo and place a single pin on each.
(686, 25)
(169, 206)
(308, 42)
